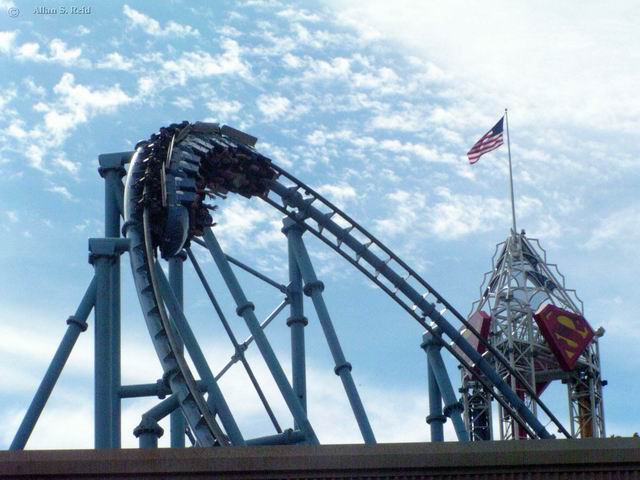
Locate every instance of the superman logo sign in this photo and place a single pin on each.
(567, 334)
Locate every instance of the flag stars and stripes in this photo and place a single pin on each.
(489, 141)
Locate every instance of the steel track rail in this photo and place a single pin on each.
(176, 370)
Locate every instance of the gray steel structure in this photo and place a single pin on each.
(520, 282)
(168, 177)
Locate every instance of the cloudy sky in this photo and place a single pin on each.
(375, 105)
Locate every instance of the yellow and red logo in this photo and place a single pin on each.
(568, 334)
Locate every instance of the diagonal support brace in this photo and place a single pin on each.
(245, 310)
(313, 288)
(452, 407)
(77, 324)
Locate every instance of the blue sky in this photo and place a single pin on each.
(373, 104)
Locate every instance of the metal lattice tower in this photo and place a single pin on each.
(520, 283)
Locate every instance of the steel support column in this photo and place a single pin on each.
(102, 359)
(112, 170)
(177, 420)
(436, 418)
(245, 310)
(296, 321)
(77, 324)
(103, 255)
(452, 407)
(313, 288)
(148, 432)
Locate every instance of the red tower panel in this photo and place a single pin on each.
(481, 321)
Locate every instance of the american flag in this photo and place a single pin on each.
(489, 141)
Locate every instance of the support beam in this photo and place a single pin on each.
(77, 324)
(103, 253)
(177, 420)
(215, 401)
(257, 274)
(239, 350)
(436, 418)
(296, 321)
(242, 347)
(288, 437)
(245, 310)
(313, 288)
(452, 407)
(102, 353)
(112, 170)
(247, 268)
(148, 432)
(158, 389)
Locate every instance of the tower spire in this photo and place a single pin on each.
(513, 203)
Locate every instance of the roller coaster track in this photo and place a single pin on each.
(189, 149)
(176, 370)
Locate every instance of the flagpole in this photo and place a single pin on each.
(513, 204)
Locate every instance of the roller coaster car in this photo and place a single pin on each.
(185, 164)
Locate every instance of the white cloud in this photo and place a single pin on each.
(449, 216)
(383, 80)
(6, 97)
(12, 216)
(152, 27)
(402, 121)
(60, 190)
(202, 64)
(294, 15)
(81, 31)
(582, 61)
(458, 215)
(336, 68)
(33, 87)
(224, 108)
(184, 103)
(65, 164)
(280, 155)
(405, 213)
(35, 157)
(7, 40)
(16, 130)
(115, 61)
(340, 194)
(413, 149)
(58, 53)
(273, 106)
(292, 61)
(76, 104)
(250, 225)
(72, 105)
(617, 228)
